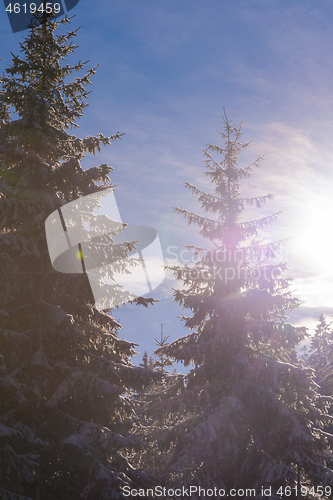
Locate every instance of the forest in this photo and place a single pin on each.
(251, 418)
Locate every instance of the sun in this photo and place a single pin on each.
(312, 244)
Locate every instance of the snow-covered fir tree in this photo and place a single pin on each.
(65, 376)
(161, 361)
(145, 361)
(249, 417)
(152, 408)
(321, 355)
(321, 344)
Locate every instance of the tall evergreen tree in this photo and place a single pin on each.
(249, 418)
(163, 361)
(321, 355)
(320, 344)
(152, 409)
(145, 361)
(66, 377)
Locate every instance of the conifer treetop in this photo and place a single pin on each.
(226, 203)
(44, 104)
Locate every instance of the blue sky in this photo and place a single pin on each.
(166, 70)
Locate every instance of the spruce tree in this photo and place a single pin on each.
(162, 361)
(320, 357)
(249, 417)
(153, 411)
(145, 362)
(66, 377)
(320, 344)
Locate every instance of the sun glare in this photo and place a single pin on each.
(312, 244)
